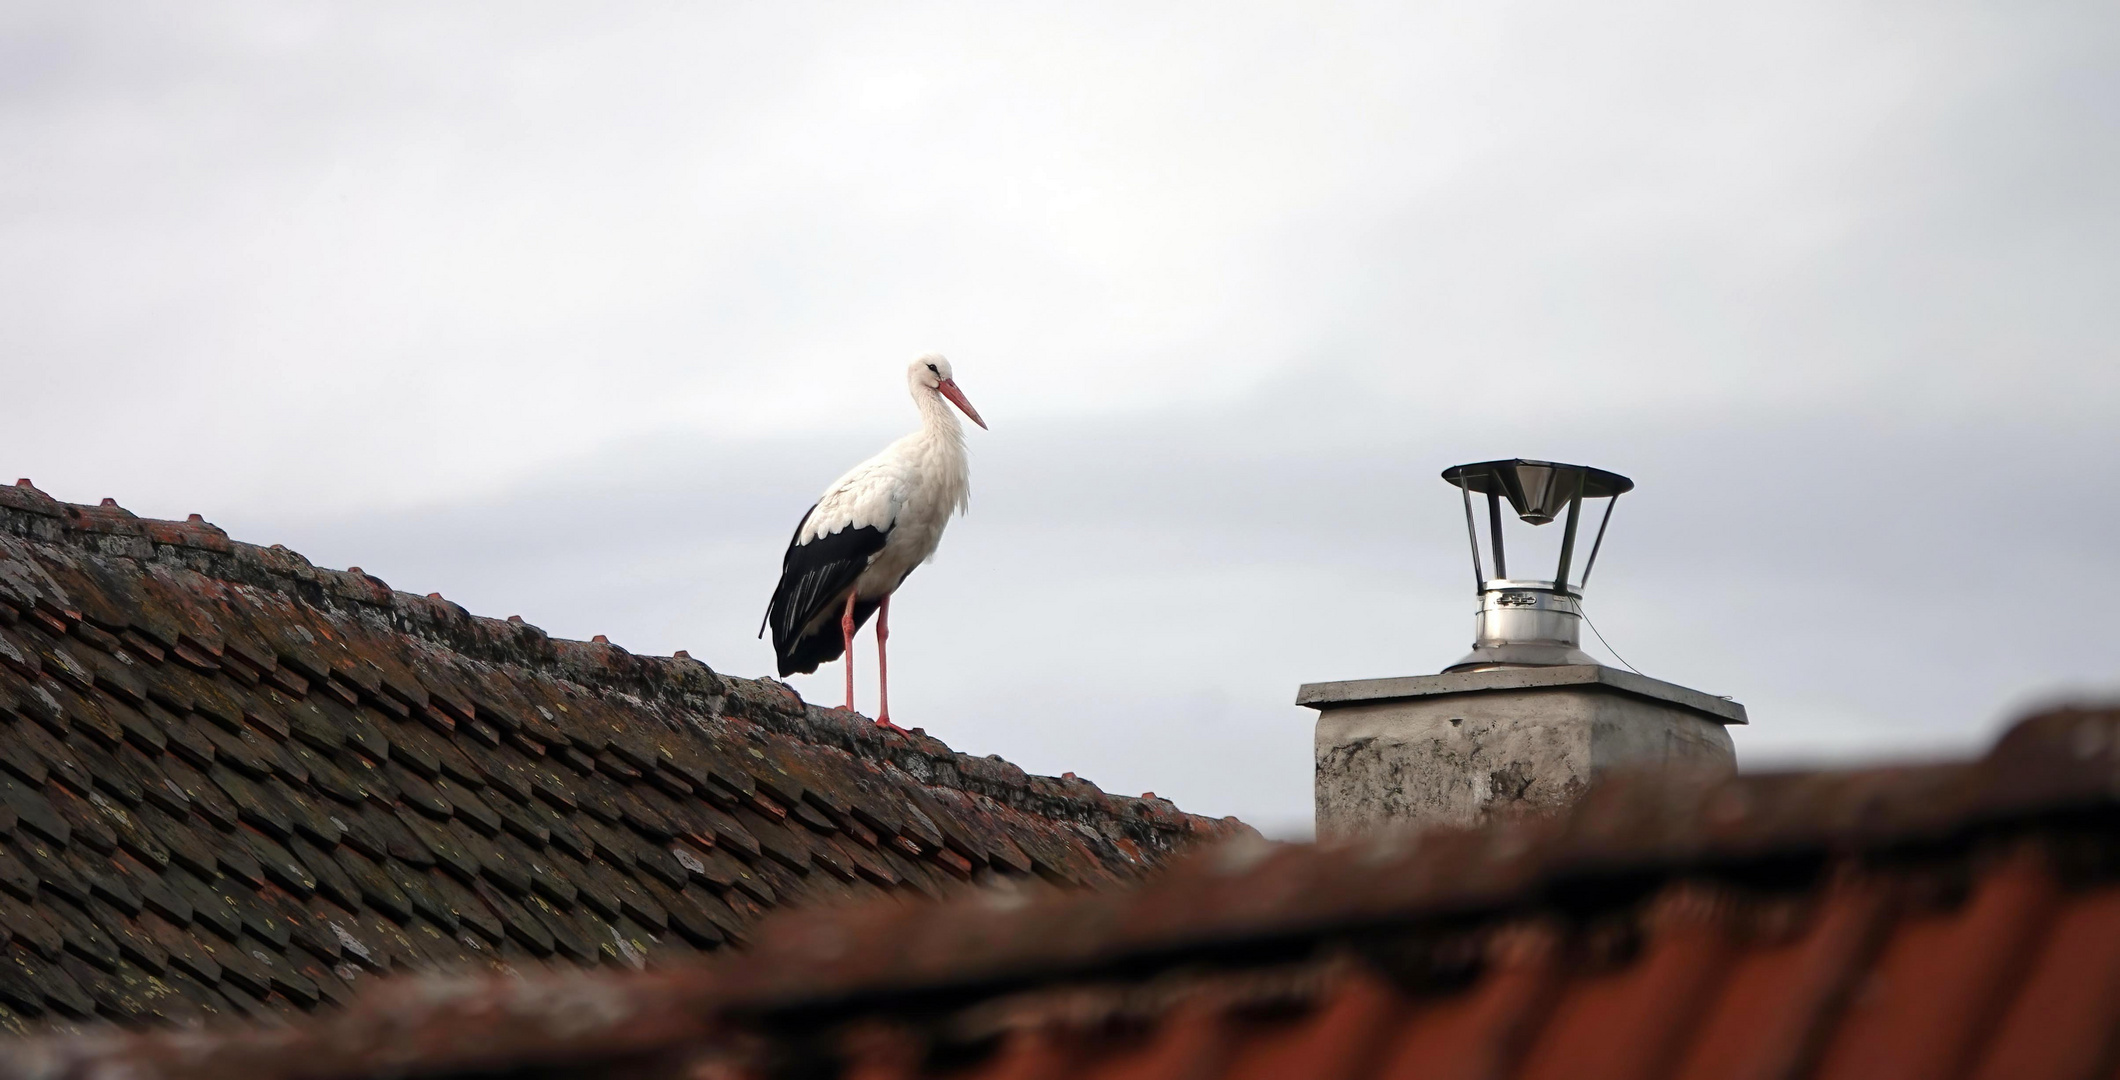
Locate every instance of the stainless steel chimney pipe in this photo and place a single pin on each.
(1530, 622)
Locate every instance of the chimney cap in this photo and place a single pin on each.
(1536, 490)
(1524, 620)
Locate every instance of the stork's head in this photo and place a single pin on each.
(930, 375)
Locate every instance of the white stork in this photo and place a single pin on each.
(854, 548)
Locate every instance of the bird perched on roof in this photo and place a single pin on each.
(854, 548)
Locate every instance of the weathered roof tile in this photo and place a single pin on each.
(231, 777)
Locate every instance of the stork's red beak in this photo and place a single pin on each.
(956, 396)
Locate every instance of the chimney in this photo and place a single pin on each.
(1524, 721)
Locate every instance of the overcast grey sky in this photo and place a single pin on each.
(569, 311)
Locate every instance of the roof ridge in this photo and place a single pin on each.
(681, 682)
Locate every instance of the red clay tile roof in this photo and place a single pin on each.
(1937, 921)
(233, 784)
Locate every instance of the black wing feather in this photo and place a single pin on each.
(814, 579)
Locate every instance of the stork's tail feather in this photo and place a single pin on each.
(806, 652)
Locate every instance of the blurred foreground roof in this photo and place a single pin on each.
(234, 787)
(1941, 920)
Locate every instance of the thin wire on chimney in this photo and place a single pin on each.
(1601, 640)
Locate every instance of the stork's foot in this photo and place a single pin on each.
(884, 722)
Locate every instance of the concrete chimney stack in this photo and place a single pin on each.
(1522, 723)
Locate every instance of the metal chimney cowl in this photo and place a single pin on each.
(1528, 621)
(1524, 722)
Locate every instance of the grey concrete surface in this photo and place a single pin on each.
(1469, 747)
(1356, 691)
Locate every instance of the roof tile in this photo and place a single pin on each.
(1937, 988)
(208, 746)
(1763, 926)
(2062, 1019)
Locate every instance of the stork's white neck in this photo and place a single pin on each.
(937, 418)
(945, 466)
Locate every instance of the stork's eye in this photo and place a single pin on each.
(934, 369)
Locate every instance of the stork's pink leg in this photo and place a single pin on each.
(883, 662)
(846, 630)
